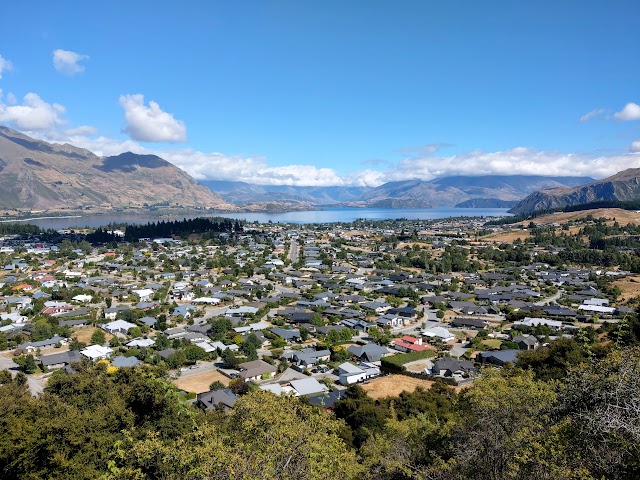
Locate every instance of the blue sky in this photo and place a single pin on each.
(332, 92)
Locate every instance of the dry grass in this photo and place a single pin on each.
(394, 385)
(630, 287)
(84, 334)
(507, 237)
(200, 382)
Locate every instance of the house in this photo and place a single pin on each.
(254, 370)
(536, 322)
(408, 343)
(390, 321)
(223, 400)
(526, 342)
(306, 356)
(145, 294)
(148, 321)
(50, 342)
(125, 362)
(118, 326)
(498, 357)
(477, 323)
(241, 311)
(288, 335)
(59, 360)
(141, 342)
(112, 312)
(96, 352)
(371, 352)
(450, 367)
(349, 373)
(439, 333)
(82, 298)
(377, 307)
(308, 386)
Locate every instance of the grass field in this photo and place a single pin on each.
(630, 287)
(200, 382)
(84, 334)
(394, 385)
(493, 343)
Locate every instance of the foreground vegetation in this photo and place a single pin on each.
(513, 423)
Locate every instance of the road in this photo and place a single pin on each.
(294, 251)
(547, 301)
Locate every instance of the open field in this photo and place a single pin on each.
(200, 382)
(393, 385)
(630, 287)
(84, 334)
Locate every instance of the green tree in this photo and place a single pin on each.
(98, 337)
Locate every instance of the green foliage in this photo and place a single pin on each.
(396, 362)
(98, 337)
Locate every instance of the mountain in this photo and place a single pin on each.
(37, 175)
(241, 193)
(623, 186)
(441, 192)
(450, 191)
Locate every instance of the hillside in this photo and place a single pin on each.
(623, 186)
(450, 191)
(37, 175)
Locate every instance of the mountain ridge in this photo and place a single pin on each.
(622, 186)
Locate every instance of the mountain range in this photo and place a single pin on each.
(623, 186)
(463, 191)
(37, 175)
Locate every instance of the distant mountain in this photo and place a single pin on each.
(623, 186)
(450, 191)
(441, 192)
(241, 193)
(43, 176)
(487, 203)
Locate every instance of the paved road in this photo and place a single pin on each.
(547, 301)
(294, 251)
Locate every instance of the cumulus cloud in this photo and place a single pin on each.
(516, 161)
(5, 65)
(67, 62)
(631, 111)
(592, 114)
(33, 114)
(83, 130)
(150, 124)
(635, 146)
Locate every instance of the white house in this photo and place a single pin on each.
(82, 298)
(349, 373)
(118, 326)
(96, 352)
(145, 294)
(439, 333)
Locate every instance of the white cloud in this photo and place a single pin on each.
(150, 124)
(83, 130)
(631, 111)
(592, 114)
(516, 161)
(33, 114)
(5, 65)
(67, 62)
(11, 99)
(635, 146)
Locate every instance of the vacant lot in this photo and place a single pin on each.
(630, 287)
(200, 382)
(84, 334)
(393, 385)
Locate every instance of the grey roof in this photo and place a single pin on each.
(122, 362)
(371, 351)
(63, 357)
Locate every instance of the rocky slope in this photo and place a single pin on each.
(623, 186)
(36, 175)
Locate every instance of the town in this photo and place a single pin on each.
(303, 310)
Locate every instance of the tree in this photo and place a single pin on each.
(238, 386)
(229, 359)
(98, 337)
(27, 363)
(217, 385)
(304, 334)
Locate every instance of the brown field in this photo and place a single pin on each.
(630, 287)
(84, 334)
(393, 385)
(507, 237)
(200, 382)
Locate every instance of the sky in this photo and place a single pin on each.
(331, 92)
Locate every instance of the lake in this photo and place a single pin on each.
(330, 215)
